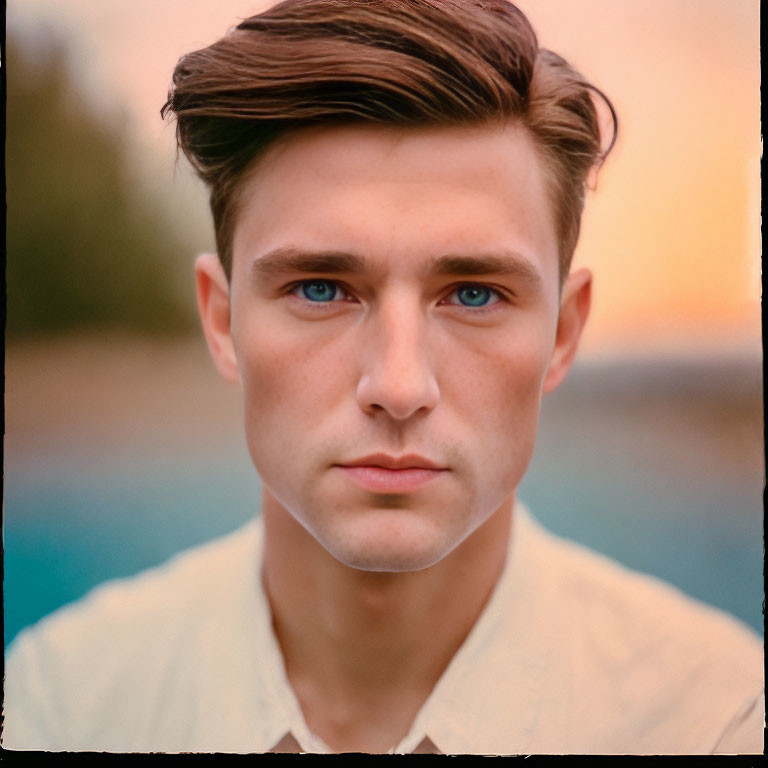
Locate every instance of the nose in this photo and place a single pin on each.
(397, 376)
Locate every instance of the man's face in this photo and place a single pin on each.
(393, 314)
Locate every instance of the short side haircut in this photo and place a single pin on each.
(404, 63)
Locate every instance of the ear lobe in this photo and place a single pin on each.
(213, 306)
(574, 311)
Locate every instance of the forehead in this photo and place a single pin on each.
(395, 195)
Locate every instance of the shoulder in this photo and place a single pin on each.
(643, 655)
(126, 641)
(627, 612)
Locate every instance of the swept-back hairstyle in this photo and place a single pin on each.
(393, 62)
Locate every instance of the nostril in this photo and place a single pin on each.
(399, 397)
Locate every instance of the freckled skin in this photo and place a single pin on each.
(394, 367)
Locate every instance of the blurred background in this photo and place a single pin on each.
(123, 447)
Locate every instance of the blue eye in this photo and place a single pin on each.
(318, 290)
(475, 295)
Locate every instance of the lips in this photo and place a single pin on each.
(392, 474)
(409, 461)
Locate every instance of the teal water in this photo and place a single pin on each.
(67, 529)
(627, 485)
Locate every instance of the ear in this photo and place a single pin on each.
(213, 306)
(574, 310)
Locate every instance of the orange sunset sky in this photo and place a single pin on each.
(672, 232)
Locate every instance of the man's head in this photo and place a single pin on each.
(393, 300)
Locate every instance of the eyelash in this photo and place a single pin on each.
(499, 298)
(293, 289)
(321, 306)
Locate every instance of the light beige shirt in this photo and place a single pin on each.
(573, 654)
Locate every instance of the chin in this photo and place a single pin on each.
(389, 541)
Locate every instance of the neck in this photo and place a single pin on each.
(362, 649)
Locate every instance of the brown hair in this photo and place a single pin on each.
(398, 62)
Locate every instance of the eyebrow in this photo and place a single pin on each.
(504, 263)
(286, 260)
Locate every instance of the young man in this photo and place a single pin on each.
(396, 188)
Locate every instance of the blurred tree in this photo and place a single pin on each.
(84, 247)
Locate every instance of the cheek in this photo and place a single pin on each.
(291, 382)
(276, 388)
(496, 391)
(501, 375)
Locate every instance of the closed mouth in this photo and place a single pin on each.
(383, 474)
(384, 461)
